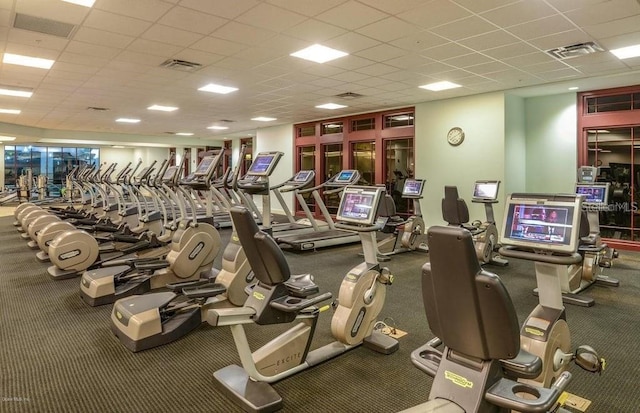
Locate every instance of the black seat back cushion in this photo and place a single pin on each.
(454, 208)
(468, 308)
(265, 257)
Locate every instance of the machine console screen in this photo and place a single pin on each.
(261, 165)
(359, 204)
(302, 176)
(594, 194)
(486, 190)
(345, 177)
(203, 166)
(413, 187)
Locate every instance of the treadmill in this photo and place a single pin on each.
(299, 181)
(330, 235)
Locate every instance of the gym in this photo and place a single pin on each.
(198, 216)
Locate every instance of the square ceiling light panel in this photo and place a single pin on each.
(16, 59)
(319, 54)
(438, 86)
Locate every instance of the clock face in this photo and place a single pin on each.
(455, 136)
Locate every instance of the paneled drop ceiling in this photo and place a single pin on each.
(112, 58)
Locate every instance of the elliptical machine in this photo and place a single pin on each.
(146, 321)
(279, 297)
(194, 246)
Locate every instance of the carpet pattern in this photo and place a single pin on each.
(58, 354)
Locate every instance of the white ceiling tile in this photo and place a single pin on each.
(620, 41)
(530, 59)
(270, 17)
(519, 12)
(377, 69)
(381, 53)
(408, 61)
(484, 5)
(351, 42)
(561, 74)
(82, 59)
(140, 58)
(192, 20)
(419, 41)
(102, 38)
(490, 40)
(314, 31)
(307, 7)
(446, 51)
(92, 50)
(5, 18)
(614, 28)
(425, 17)
(604, 12)
(243, 33)
(150, 10)
(35, 39)
(218, 46)
(602, 67)
(153, 48)
(387, 29)
(395, 6)
(350, 62)
(223, 8)
(487, 68)
(511, 50)
(31, 50)
(351, 15)
(470, 59)
(111, 22)
(464, 28)
(542, 27)
(170, 35)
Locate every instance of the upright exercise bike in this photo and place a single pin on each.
(279, 297)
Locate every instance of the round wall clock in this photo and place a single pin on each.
(455, 136)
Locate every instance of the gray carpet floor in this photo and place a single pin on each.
(58, 354)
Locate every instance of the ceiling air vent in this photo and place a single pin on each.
(226, 121)
(97, 108)
(575, 50)
(42, 25)
(349, 95)
(183, 65)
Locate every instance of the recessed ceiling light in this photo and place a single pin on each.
(117, 146)
(573, 88)
(223, 90)
(10, 111)
(438, 86)
(215, 127)
(319, 54)
(162, 108)
(184, 133)
(85, 3)
(16, 59)
(627, 52)
(7, 138)
(264, 119)
(22, 93)
(127, 120)
(331, 106)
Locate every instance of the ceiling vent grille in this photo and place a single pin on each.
(97, 108)
(226, 121)
(349, 95)
(575, 50)
(182, 65)
(42, 25)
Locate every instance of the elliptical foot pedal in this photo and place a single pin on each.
(252, 396)
(587, 358)
(381, 343)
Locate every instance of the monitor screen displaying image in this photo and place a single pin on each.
(203, 166)
(302, 176)
(345, 176)
(594, 194)
(486, 190)
(547, 225)
(359, 204)
(413, 187)
(261, 165)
